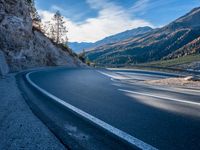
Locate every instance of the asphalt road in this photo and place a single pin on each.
(164, 118)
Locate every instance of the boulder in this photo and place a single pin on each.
(192, 78)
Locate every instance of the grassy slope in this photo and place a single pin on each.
(178, 65)
(174, 62)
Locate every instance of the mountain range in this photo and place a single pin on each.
(78, 47)
(179, 38)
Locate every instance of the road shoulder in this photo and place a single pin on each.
(176, 82)
(19, 127)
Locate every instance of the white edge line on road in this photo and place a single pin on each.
(149, 75)
(120, 134)
(161, 97)
(166, 73)
(163, 88)
(116, 76)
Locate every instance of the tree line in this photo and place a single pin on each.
(55, 28)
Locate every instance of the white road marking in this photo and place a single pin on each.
(113, 77)
(161, 97)
(142, 74)
(127, 76)
(118, 133)
(174, 89)
(126, 69)
(197, 91)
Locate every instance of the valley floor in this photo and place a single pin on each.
(19, 127)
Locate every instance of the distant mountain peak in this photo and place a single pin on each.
(78, 47)
(192, 13)
(190, 20)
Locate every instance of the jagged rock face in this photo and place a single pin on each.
(23, 46)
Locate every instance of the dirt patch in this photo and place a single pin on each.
(176, 82)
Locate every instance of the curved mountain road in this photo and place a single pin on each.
(160, 117)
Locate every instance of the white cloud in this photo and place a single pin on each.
(111, 19)
(140, 6)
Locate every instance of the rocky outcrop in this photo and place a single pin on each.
(23, 46)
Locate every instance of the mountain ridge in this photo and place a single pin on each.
(78, 47)
(151, 46)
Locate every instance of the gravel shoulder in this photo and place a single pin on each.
(176, 82)
(19, 127)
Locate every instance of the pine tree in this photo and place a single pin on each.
(82, 56)
(57, 28)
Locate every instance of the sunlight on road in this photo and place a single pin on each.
(167, 105)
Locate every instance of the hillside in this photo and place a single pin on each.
(78, 47)
(152, 46)
(191, 62)
(25, 47)
(188, 49)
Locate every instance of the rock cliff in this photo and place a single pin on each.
(25, 47)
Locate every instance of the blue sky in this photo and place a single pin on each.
(92, 20)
